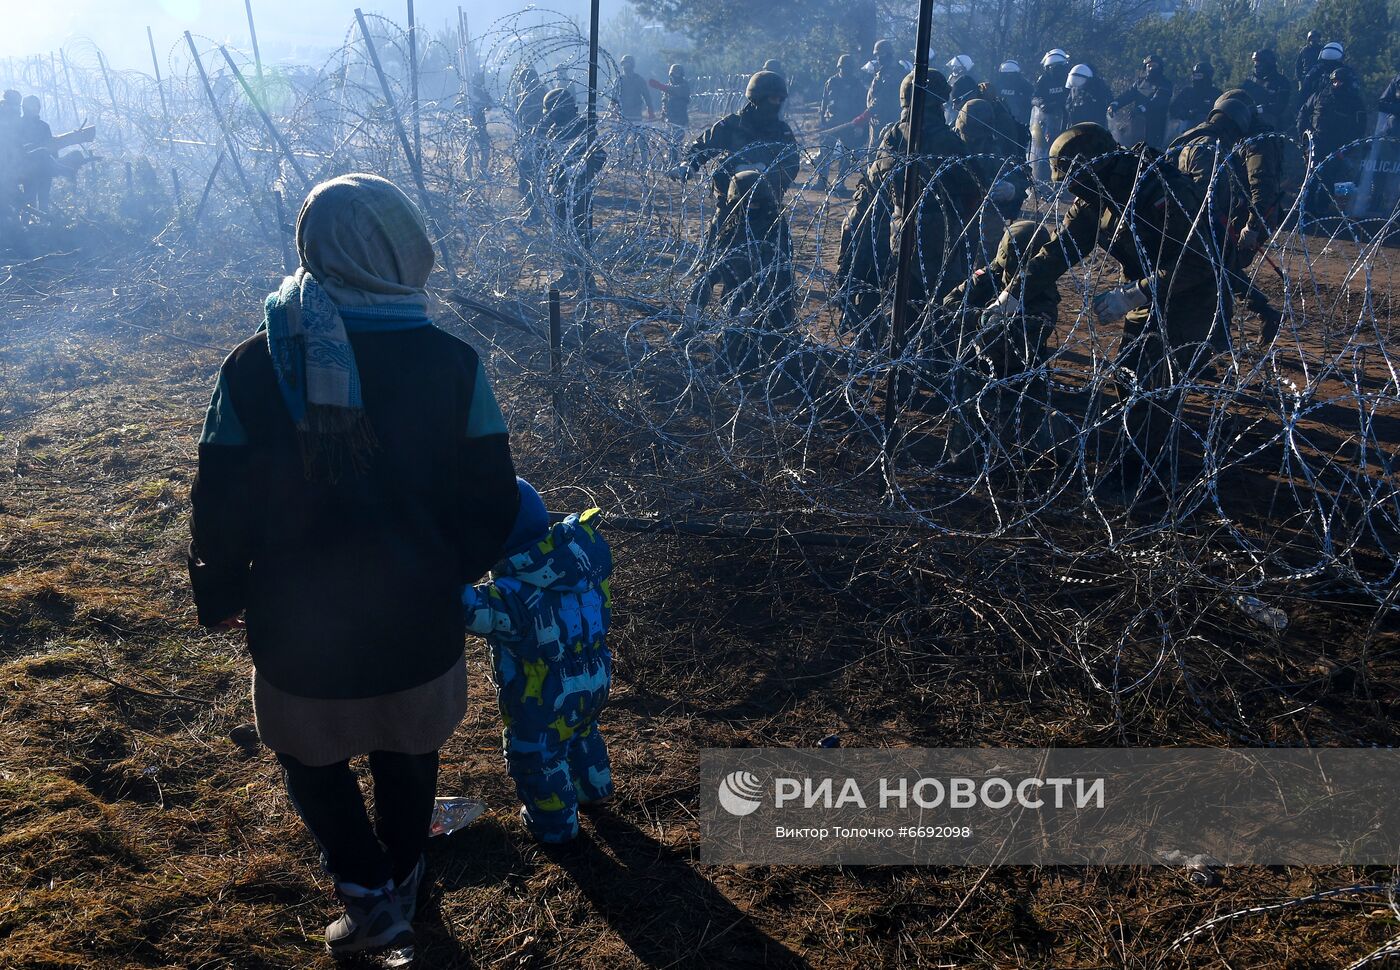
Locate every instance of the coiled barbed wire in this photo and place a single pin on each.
(1282, 465)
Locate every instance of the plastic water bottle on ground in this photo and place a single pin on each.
(1261, 613)
(452, 814)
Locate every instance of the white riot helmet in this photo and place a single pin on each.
(1055, 56)
(1332, 52)
(1079, 75)
(960, 65)
(1009, 67)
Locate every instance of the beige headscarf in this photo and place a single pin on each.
(365, 242)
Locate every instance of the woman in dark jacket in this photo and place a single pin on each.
(354, 475)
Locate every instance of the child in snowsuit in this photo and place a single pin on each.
(545, 615)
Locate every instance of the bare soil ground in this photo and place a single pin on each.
(135, 833)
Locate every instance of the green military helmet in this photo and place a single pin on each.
(844, 61)
(1238, 107)
(749, 186)
(976, 121)
(774, 65)
(560, 100)
(883, 47)
(1022, 240)
(764, 85)
(1085, 140)
(936, 86)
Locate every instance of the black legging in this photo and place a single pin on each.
(328, 800)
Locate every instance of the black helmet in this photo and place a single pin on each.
(773, 65)
(883, 47)
(627, 61)
(766, 84)
(676, 71)
(1239, 111)
(1085, 140)
(936, 88)
(1204, 69)
(1314, 36)
(844, 61)
(1265, 57)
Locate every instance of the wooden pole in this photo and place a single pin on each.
(907, 233)
(413, 83)
(160, 89)
(556, 355)
(208, 187)
(593, 18)
(462, 51)
(112, 96)
(223, 127)
(266, 120)
(413, 165)
(257, 54)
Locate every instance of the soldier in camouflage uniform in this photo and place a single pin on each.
(545, 614)
(1238, 168)
(529, 120)
(870, 234)
(882, 98)
(1174, 310)
(992, 348)
(755, 137)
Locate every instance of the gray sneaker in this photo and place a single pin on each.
(373, 920)
(408, 891)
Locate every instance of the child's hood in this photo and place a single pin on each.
(571, 558)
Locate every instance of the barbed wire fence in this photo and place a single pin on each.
(766, 412)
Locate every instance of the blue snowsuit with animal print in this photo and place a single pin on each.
(545, 615)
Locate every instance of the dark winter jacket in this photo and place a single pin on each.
(1273, 94)
(1335, 115)
(1304, 63)
(964, 89)
(1015, 92)
(352, 587)
(1152, 96)
(1089, 102)
(1389, 103)
(1050, 94)
(1193, 103)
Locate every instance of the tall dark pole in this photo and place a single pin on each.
(907, 232)
(413, 82)
(257, 54)
(592, 105)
